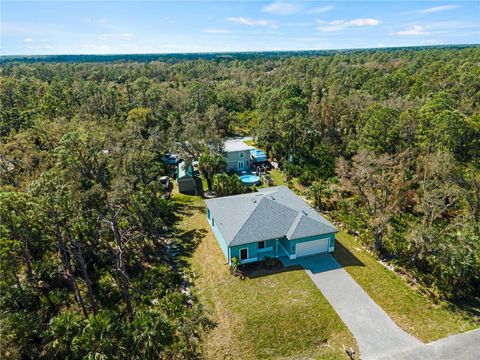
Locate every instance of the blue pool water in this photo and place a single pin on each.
(249, 180)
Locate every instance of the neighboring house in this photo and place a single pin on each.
(237, 155)
(188, 182)
(272, 222)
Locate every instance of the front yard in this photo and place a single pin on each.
(407, 307)
(283, 315)
(277, 316)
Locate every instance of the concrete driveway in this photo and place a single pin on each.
(377, 335)
(464, 346)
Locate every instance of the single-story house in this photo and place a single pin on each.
(237, 155)
(272, 222)
(188, 182)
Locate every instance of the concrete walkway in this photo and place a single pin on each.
(376, 334)
(464, 346)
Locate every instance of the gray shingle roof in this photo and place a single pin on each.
(232, 145)
(267, 214)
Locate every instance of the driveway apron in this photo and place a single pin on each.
(376, 334)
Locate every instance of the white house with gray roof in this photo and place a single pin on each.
(272, 222)
(237, 154)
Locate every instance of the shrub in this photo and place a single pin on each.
(225, 185)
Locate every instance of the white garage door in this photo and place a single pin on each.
(312, 247)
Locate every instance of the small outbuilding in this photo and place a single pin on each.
(188, 182)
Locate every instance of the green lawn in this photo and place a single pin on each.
(277, 316)
(406, 306)
(277, 177)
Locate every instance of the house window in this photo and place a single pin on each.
(213, 222)
(243, 254)
(261, 244)
(208, 214)
(332, 242)
(241, 154)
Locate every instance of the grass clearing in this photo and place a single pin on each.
(410, 310)
(278, 316)
(277, 177)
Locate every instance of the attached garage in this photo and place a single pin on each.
(312, 247)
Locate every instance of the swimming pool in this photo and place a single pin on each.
(249, 180)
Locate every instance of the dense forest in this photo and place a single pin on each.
(386, 143)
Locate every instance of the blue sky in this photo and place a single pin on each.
(106, 27)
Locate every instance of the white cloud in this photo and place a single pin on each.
(438, 8)
(105, 36)
(216, 31)
(321, 9)
(96, 21)
(124, 36)
(282, 8)
(39, 47)
(28, 40)
(337, 25)
(251, 22)
(363, 22)
(415, 30)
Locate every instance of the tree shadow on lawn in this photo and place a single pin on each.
(470, 307)
(186, 208)
(186, 243)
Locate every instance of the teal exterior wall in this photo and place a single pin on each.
(285, 243)
(290, 245)
(218, 235)
(293, 243)
(254, 251)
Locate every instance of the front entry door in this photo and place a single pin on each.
(243, 254)
(241, 165)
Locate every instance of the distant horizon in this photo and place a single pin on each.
(244, 52)
(40, 28)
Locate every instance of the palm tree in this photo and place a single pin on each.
(209, 165)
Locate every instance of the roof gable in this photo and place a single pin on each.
(304, 226)
(269, 220)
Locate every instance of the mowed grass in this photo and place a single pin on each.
(277, 316)
(410, 310)
(277, 177)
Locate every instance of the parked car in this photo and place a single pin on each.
(171, 159)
